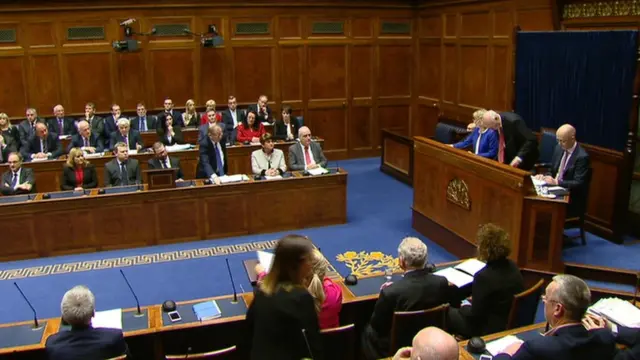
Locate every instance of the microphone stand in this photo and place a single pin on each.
(235, 294)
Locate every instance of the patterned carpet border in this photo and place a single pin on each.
(145, 259)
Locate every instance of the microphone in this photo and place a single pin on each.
(189, 32)
(235, 294)
(132, 293)
(36, 326)
(337, 168)
(306, 341)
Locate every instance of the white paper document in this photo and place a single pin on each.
(133, 152)
(225, 179)
(317, 171)
(265, 259)
(456, 277)
(556, 188)
(94, 155)
(617, 310)
(497, 346)
(178, 147)
(63, 137)
(471, 266)
(39, 159)
(107, 319)
(537, 182)
(273, 177)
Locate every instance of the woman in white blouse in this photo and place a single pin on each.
(268, 161)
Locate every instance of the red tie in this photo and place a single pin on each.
(307, 156)
(501, 146)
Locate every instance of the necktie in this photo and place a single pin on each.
(86, 142)
(43, 144)
(124, 179)
(60, 127)
(165, 163)
(219, 165)
(14, 181)
(563, 164)
(126, 140)
(501, 146)
(32, 128)
(307, 156)
(143, 124)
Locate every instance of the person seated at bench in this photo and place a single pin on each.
(17, 180)
(629, 337)
(250, 130)
(86, 140)
(430, 343)
(170, 133)
(268, 160)
(122, 171)
(482, 140)
(43, 145)
(78, 173)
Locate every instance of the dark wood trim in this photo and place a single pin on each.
(406, 140)
(557, 8)
(446, 238)
(602, 273)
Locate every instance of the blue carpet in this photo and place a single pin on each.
(379, 217)
(601, 252)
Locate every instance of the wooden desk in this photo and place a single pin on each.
(455, 192)
(146, 218)
(464, 354)
(48, 173)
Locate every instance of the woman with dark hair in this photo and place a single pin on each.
(493, 287)
(282, 318)
(286, 128)
(250, 130)
(169, 133)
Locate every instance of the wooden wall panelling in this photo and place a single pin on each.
(212, 65)
(361, 130)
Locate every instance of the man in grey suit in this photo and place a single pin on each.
(122, 171)
(17, 180)
(306, 154)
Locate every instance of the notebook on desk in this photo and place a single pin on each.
(207, 310)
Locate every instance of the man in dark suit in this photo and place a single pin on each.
(571, 169)
(262, 110)
(61, 125)
(96, 122)
(232, 117)
(86, 140)
(111, 122)
(27, 127)
(306, 154)
(213, 156)
(629, 337)
(168, 109)
(83, 341)
(122, 171)
(419, 289)
(17, 180)
(517, 145)
(162, 160)
(143, 122)
(566, 300)
(125, 135)
(44, 145)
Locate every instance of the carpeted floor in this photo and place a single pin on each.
(378, 218)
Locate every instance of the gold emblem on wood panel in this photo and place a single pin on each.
(458, 193)
(601, 9)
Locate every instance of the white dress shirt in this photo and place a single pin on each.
(477, 147)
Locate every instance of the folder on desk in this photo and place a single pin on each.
(471, 266)
(207, 310)
(463, 273)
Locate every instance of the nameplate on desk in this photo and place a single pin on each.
(226, 179)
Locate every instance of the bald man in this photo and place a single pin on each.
(430, 343)
(571, 169)
(43, 145)
(60, 124)
(517, 145)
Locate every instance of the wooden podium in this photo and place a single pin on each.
(455, 192)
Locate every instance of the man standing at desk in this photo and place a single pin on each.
(571, 169)
(83, 341)
(122, 171)
(306, 154)
(44, 145)
(162, 160)
(17, 180)
(517, 145)
(213, 156)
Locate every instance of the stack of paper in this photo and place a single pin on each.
(207, 310)
(107, 319)
(537, 182)
(133, 152)
(94, 155)
(471, 266)
(265, 259)
(617, 310)
(498, 346)
(39, 159)
(318, 171)
(456, 277)
(178, 147)
(273, 177)
(233, 178)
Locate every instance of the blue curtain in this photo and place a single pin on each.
(584, 78)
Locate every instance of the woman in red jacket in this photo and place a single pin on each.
(250, 130)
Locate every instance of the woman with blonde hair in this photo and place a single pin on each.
(482, 140)
(327, 295)
(190, 117)
(9, 133)
(282, 318)
(210, 106)
(78, 173)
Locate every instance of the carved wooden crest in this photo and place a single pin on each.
(458, 193)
